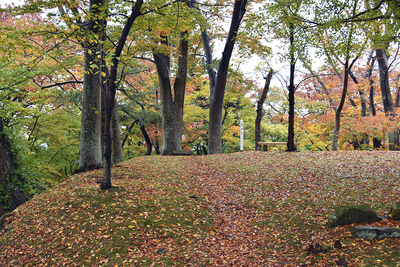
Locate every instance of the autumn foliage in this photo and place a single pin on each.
(240, 209)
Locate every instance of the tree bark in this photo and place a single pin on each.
(397, 99)
(10, 182)
(383, 64)
(371, 89)
(387, 99)
(217, 94)
(340, 107)
(290, 142)
(109, 93)
(209, 60)
(172, 105)
(259, 110)
(147, 139)
(90, 139)
(117, 154)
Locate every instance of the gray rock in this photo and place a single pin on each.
(365, 232)
(388, 232)
(369, 232)
(395, 212)
(348, 214)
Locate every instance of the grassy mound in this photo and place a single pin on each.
(245, 209)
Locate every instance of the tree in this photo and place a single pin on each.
(140, 106)
(260, 110)
(89, 32)
(340, 40)
(109, 90)
(237, 106)
(172, 104)
(217, 93)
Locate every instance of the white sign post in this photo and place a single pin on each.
(241, 135)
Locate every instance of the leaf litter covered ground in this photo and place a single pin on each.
(241, 209)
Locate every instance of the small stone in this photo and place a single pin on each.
(161, 250)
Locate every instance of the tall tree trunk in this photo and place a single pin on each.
(375, 141)
(90, 139)
(260, 110)
(217, 94)
(387, 99)
(290, 142)
(110, 90)
(172, 105)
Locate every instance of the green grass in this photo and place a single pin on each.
(249, 208)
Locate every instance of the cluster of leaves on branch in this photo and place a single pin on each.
(30, 59)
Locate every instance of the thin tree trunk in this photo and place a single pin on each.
(371, 89)
(397, 99)
(147, 139)
(323, 86)
(217, 94)
(340, 107)
(110, 91)
(363, 101)
(209, 59)
(157, 146)
(117, 154)
(375, 141)
(362, 95)
(290, 142)
(260, 114)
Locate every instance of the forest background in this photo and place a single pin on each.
(77, 74)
